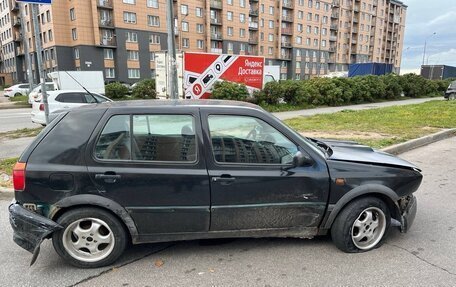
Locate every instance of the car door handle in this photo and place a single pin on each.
(224, 179)
(108, 178)
(66, 107)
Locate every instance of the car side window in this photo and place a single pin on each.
(70, 98)
(90, 99)
(245, 139)
(164, 138)
(24, 86)
(114, 142)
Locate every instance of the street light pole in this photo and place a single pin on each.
(425, 44)
(25, 43)
(39, 59)
(172, 71)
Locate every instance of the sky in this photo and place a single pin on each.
(424, 17)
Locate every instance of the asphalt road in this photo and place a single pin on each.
(13, 119)
(423, 257)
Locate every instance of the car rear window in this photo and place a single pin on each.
(148, 138)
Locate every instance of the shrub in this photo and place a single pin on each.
(271, 93)
(393, 88)
(229, 91)
(145, 89)
(115, 90)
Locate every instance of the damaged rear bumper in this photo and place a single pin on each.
(30, 228)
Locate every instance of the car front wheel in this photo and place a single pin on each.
(362, 225)
(90, 238)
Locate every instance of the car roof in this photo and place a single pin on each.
(175, 103)
(56, 92)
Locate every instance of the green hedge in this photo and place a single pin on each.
(336, 91)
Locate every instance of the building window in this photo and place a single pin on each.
(110, 73)
(132, 37)
(50, 35)
(129, 1)
(230, 31)
(271, 10)
(241, 33)
(152, 3)
(154, 39)
(152, 73)
(241, 17)
(298, 40)
(185, 43)
(72, 15)
(152, 56)
(199, 28)
(76, 53)
(133, 74)
(270, 50)
(200, 44)
(153, 21)
(184, 9)
(108, 54)
(242, 3)
(242, 47)
(74, 34)
(185, 26)
(323, 43)
(230, 46)
(199, 12)
(129, 17)
(132, 55)
(48, 16)
(271, 24)
(270, 37)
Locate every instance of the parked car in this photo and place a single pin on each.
(16, 90)
(36, 96)
(450, 93)
(62, 100)
(104, 175)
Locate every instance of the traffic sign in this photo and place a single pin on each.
(36, 1)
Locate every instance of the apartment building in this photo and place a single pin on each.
(307, 38)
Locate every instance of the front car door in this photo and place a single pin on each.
(151, 162)
(250, 186)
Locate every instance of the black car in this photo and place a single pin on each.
(450, 93)
(102, 176)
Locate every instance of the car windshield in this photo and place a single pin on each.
(452, 85)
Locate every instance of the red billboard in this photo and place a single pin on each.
(202, 70)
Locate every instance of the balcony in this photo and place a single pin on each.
(332, 49)
(15, 7)
(333, 38)
(287, 4)
(287, 18)
(216, 4)
(253, 25)
(355, 20)
(108, 42)
(285, 56)
(336, 3)
(287, 31)
(216, 36)
(216, 21)
(286, 44)
(253, 12)
(253, 41)
(355, 30)
(105, 4)
(335, 15)
(17, 37)
(20, 51)
(17, 21)
(356, 8)
(106, 23)
(334, 27)
(354, 41)
(216, 50)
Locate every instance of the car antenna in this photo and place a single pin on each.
(80, 84)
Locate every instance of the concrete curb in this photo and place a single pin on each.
(419, 142)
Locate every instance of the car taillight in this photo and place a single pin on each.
(8, 90)
(41, 107)
(19, 176)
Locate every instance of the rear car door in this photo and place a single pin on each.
(152, 164)
(250, 189)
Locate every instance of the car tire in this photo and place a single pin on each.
(452, 97)
(17, 94)
(362, 225)
(90, 237)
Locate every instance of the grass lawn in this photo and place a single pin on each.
(380, 127)
(20, 100)
(20, 133)
(6, 168)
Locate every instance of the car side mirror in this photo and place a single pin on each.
(300, 159)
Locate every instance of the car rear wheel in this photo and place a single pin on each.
(90, 237)
(17, 94)
(452, 97)
(362, 225)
